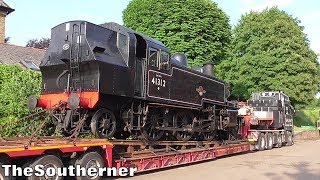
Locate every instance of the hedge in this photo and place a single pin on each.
(16, 85)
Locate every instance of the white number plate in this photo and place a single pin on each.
(158, 82)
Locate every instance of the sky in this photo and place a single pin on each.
(35, 18)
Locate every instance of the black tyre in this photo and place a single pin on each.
(48, 161)
(283, 138)
(261, 142)
(103, 123)
(279, 140)
(269, 142)
(90, 160)
(289, 138)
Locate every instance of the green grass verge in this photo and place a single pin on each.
(305, 119)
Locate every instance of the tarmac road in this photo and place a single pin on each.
(300, 161)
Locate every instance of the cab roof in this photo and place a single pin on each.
(124, 30)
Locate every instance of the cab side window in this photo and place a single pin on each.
(153, 57)
(123, 46)
(164, 61)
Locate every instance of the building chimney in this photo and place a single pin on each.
(4, 11)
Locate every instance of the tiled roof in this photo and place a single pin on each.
(12, 54)
(4, 6)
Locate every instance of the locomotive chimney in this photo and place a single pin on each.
(208, 68)
(4, 11)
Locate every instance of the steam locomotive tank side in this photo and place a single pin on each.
(194, 102)
(184, 86)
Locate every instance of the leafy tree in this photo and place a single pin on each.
(40, 44)
(199, 28)
(271, 53)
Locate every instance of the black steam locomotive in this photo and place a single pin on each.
(113, 80)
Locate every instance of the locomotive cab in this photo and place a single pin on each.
(149, 54)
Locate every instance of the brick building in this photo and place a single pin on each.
(4, 11)
(11, 54)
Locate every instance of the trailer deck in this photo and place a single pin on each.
(136, 153)
(139, 155)
(164, 158)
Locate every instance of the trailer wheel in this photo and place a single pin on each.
(269, 142)
(2, 175)
(90, 160)
(261, 142)
(283, 136)
(275, 139)
(279, 141)
(48, 161)
(289, 139)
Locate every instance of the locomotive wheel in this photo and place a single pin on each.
(183, 119)
(103, 123)
(208, 136)
(149, 131)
